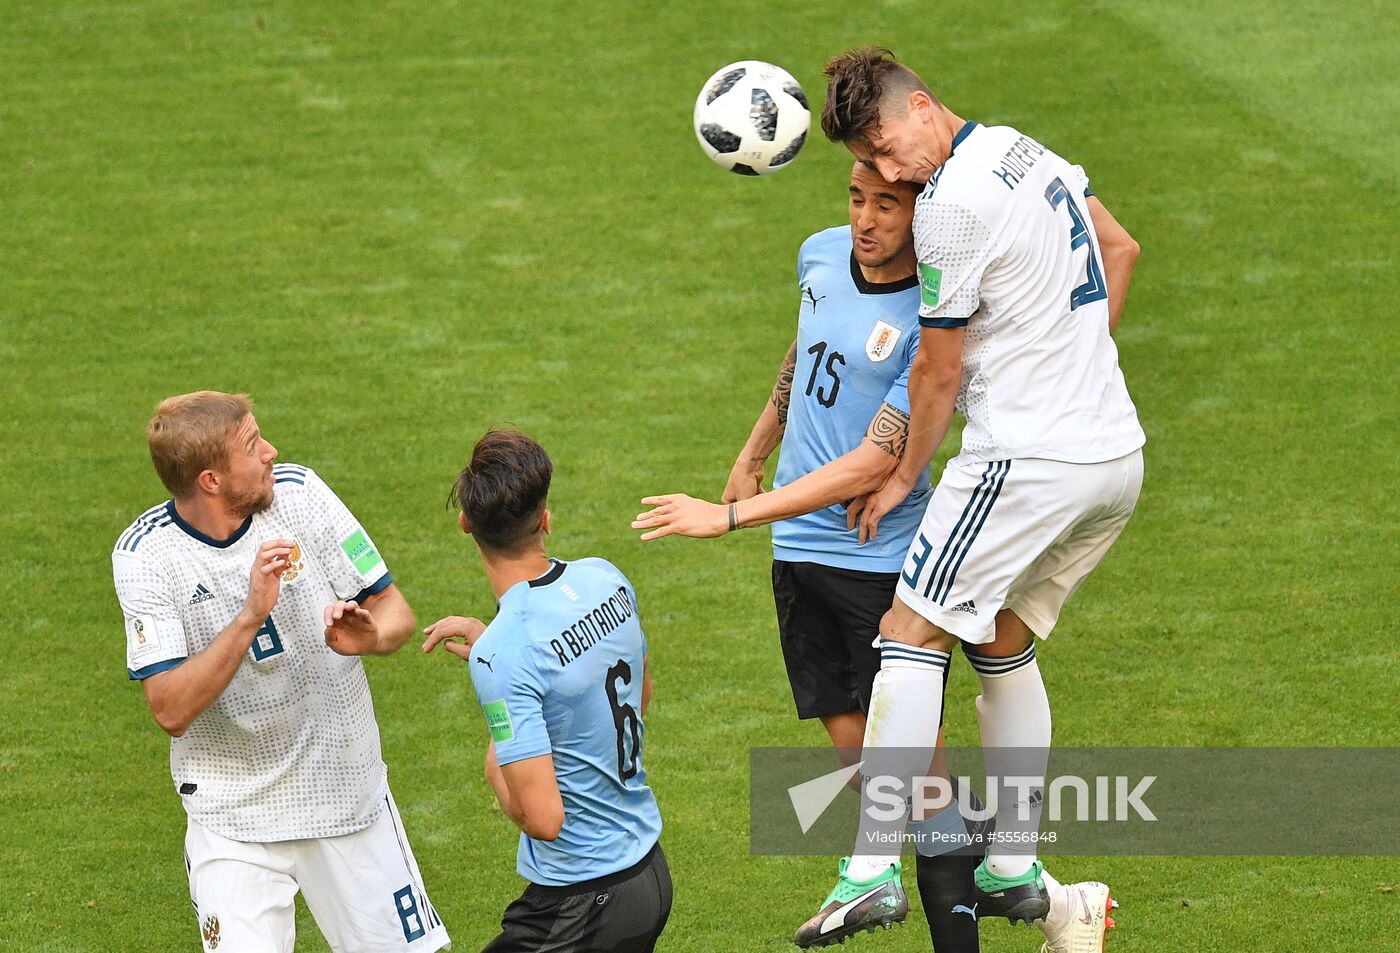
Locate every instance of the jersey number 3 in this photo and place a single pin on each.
(1093, 288)
(629, 726)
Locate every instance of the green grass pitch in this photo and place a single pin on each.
(398, 223)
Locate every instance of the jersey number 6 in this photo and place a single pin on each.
(1093, 288)
(626, 721)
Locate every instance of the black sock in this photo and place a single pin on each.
(945, 886)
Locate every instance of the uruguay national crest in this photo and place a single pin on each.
(209, 930)
(881, 342)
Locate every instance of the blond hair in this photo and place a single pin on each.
(190, 434)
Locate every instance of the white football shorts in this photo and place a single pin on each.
(1014, 534)
(363, 889)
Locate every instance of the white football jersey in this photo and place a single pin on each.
(291, 748)
(1007, 249)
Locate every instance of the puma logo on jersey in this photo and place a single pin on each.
(811, 296)
(487, 663)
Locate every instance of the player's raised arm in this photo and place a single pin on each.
(180, 695)
(746, 477)
(849, 476)
(1120, 254)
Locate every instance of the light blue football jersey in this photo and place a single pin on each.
(855, 343)
(559, 671)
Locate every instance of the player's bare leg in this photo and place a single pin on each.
(847, 733)
(901, 728)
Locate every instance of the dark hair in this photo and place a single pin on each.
(858, 82)
(503, 490)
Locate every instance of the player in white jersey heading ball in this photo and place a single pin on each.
(1023, 274)
(248, 598)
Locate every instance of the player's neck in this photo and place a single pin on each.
(896, 269)
(947, 125)
(211, 517)
(504, 570)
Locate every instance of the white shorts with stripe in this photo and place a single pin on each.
(363, 889)
(1014, 534)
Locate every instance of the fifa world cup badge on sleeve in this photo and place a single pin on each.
(930, 282)
(141, 638)
(360, 551)
(498, 720)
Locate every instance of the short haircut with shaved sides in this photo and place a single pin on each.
(190, 434)
(860, 83)
(503, 490)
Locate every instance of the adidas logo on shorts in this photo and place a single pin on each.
(969, 607)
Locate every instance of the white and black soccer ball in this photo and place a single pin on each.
(751, 117)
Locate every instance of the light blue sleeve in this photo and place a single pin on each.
(511, 692)
(898, 394)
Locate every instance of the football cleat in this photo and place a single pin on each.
(1079, 919)
(854, 906)
(1024, 898)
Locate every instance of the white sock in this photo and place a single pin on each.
(1014, 714)
(901, 730)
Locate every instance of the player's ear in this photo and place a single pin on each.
(544, 522)
(921, 103)
(462, 522)
(207, 482)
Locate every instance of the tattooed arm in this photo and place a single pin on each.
(850, 475)
(746, 477)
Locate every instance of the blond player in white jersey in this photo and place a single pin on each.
(1023, 274)
(249, 597)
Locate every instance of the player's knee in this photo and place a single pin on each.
(903, 624)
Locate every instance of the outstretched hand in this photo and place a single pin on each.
(682, 515)
(351, 629)
(457, 634)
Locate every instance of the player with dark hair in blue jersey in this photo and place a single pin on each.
(840, 409)
(561, 674)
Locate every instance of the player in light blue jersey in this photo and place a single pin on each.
(840, 410)
(561, 674)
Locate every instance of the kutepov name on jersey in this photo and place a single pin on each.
(595, 626)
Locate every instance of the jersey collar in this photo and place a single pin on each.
(879, 288)
(963, 133)
(551, 575)
(207, 540)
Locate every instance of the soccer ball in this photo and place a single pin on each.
(751, 117)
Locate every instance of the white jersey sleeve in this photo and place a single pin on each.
(155, 633)
(340, 545)
(954, 247)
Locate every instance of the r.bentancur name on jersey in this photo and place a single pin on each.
(595, 625)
